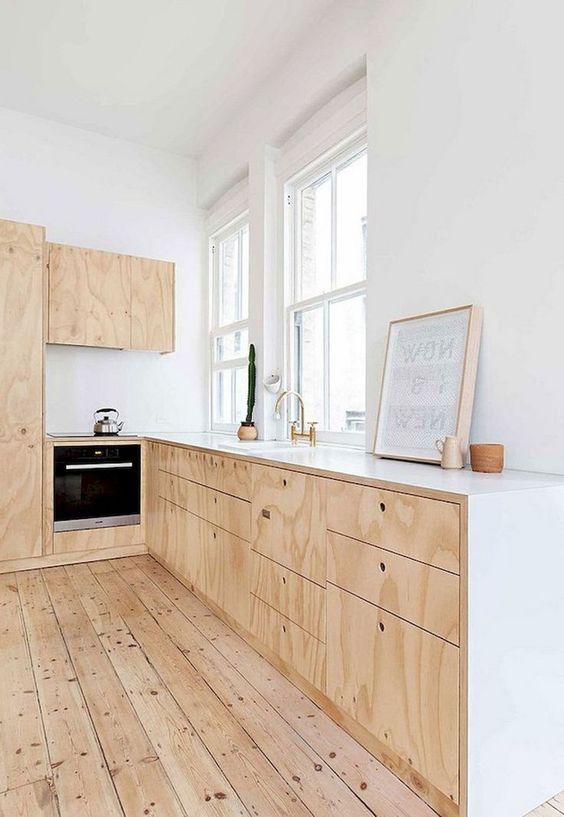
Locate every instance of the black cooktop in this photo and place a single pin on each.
(80, 434)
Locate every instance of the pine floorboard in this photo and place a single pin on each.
(123, 695)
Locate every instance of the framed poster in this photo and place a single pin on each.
(428, 383)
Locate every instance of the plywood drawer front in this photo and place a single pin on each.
(424, 595)
(294, 646)
(288, 520)
(229, 512)
(232, 476)
(184, 462)
(425, 529)
(182, 541)
(230, 575)
(70, 540)
(399, 682)
(183, 492)
(297, 598)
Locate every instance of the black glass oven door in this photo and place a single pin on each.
(91, 494)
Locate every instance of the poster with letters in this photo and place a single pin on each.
(428, 383)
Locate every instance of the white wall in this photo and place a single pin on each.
(466, 186)
(330, 58)
(466, 200)
(93, 191)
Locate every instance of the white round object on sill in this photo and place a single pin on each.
(272, 383)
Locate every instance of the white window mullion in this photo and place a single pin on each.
(333, 227)
(233, 363)
(342, 292)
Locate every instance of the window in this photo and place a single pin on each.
(229, 336)
(326, 294)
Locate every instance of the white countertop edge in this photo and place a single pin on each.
(351, 464)
(354, 464)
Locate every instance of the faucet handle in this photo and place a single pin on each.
(312, 433)
(293, 431)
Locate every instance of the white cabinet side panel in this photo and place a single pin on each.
(515, 651)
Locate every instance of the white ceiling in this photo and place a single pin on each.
(166, 73)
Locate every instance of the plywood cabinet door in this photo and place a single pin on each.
(181, 541)
(152, 305)
(399, 682)
(89, 297)
(288, 520)
(21, 388)
(153, 522)
(226, 572)
(295, 647)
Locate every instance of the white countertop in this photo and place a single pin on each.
(352, 463)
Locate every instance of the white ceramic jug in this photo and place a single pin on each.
(451, 453)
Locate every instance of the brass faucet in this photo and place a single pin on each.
(310, 435)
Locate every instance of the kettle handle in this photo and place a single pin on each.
(100, 410)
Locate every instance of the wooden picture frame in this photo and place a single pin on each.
(428, 383)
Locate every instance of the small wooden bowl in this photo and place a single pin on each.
(488, 458)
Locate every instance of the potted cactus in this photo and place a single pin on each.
(247, 429)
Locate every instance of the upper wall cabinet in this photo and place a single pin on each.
(152, 304)
(89, 297)
(100, 298)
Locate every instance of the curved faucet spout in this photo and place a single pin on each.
(288, 393)
(296, 434)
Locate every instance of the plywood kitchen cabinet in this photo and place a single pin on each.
(426, 529)
(153, 521)
(226, 572)
(288, 643)
(152, 304)
(417, 592)
(289, 520)
(205, 537)
(89, 297)
(402, 609)
(399, 682)
(99, 298)
(298, 599)
(21, 389)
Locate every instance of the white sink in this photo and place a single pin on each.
(256, 446)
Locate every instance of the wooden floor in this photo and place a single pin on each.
(122, 694)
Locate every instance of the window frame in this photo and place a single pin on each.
(235, 226)
(330, 163)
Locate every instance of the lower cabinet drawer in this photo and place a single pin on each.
(97, 538)
(181, 541)
(227, 474)
(288, 520)
(226, 572)
(424, 529)
(184, 462)
(296, 598)
(223, 510)
(417, 592)
(183, 492)
(399, 682)
(294, 646)
(229, 512)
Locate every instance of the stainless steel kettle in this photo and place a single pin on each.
(106, 424)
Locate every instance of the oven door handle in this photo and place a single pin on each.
(92, 466)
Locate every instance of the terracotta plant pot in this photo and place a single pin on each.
(487, 457)
(247, 431)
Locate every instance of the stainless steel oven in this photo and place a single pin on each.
(97, 486)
